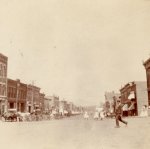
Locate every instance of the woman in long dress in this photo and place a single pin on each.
(96, 115)
(144, 111)
(86, 116)
(102, 115)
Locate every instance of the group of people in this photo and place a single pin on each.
(117, 113)
(122, 109)
(97, 115)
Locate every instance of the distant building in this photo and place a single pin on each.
(3, 83)
(109, 101)
(136, 91)
(17, 94)
(54, 102)
(62, 105)
(47, 104)
(71, 106)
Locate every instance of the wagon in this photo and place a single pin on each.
(10, 115)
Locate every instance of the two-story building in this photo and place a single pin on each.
(135, 91)
(17, 95)
(33, 98)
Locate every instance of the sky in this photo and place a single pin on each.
(76, 49)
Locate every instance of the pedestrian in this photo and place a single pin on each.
(86, 116)
(102, 115)
(96, 115)
(118, 114)
(144, 111)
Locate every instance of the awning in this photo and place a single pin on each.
(131, 95)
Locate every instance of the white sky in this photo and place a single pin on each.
(76, 49)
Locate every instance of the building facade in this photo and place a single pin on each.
(3, 83)
(47, 105)
(71, 106)
(147, 68)
(54, 104)
(63, 104)
(33, 98)
(136, 91)
(109, 105)
(17, 95)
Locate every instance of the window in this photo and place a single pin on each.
(11, 105)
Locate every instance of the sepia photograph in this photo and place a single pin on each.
(75, 74)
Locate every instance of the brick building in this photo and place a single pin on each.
(33, 98)
(17, 94)
(136, 91)
(3, 83)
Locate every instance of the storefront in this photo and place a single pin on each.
(135, 94)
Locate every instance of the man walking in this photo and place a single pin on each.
(118, 112)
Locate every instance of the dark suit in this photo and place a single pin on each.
(119, 114)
